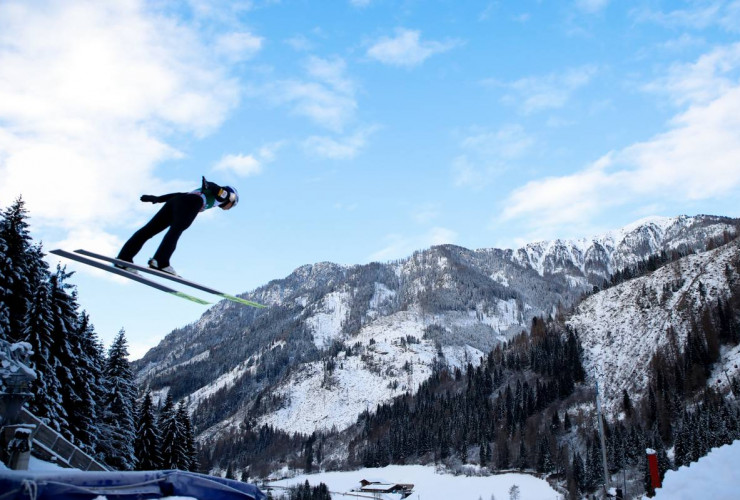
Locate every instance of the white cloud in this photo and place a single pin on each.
(239, 45)
(698, 158)
(327, 97)
(407, 48)
(242, 165)
(486, 153)
(534, 94)
(360, 3)
(300, 43)
(711, 76)
(89, 92)
(247, 165)
(592, 6)
(342, 148)
(700, 15)
(731, 17)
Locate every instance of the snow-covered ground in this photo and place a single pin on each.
(714, 476)
(428, 484)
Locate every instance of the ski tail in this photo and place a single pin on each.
(126, 274)
(171, 277)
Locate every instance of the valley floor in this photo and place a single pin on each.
(429, 484)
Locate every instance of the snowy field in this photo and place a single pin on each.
(429, 485)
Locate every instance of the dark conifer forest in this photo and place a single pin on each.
(83, 391)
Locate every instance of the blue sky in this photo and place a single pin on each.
(357, 130)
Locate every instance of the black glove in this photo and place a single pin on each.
(210, 187)
(149, 198)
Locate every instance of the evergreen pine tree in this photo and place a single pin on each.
(566, 422)
(117, 430)
(173, 450)
(4, 290)
(75, 373)
(190, 459)
(22, 270)
(594, 468)
(148, 439)
(39, 332)
(483, 457)
(626, 403)
(544, 456)
(91, 361)
(579, 472)
(523, 460)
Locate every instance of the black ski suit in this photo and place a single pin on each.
(178, 212)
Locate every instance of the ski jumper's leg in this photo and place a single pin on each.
(184, 210)
(159, 223)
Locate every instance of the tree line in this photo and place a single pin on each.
(82, 391)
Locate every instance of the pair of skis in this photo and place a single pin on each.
(107, 264)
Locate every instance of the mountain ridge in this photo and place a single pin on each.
(335, 331)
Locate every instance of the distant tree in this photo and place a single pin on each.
(514, 492)
(309, 453)
(579, 473)
(522, 462)
(230, 472)
(626, 403)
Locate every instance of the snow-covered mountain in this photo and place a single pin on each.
(337, 340)
(623, 327)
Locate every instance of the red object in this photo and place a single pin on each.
(654, 473)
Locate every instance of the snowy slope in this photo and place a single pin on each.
(384, 365)
(714, 476)
(621, 328)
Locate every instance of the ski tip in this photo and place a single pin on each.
(242, 301)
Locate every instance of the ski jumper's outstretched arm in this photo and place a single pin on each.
(157, 199)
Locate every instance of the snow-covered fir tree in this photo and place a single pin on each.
(19, 267)
(174, 454)
(88, 369)
(4, 290)
(186, 428)
(74, 370)
(148, 438)
(39, 332)
(117, 430)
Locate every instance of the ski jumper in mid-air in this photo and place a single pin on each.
(178, 212)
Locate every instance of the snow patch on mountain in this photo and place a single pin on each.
(621, 328)
(389, 357)
(325, 322)
(224, 381)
